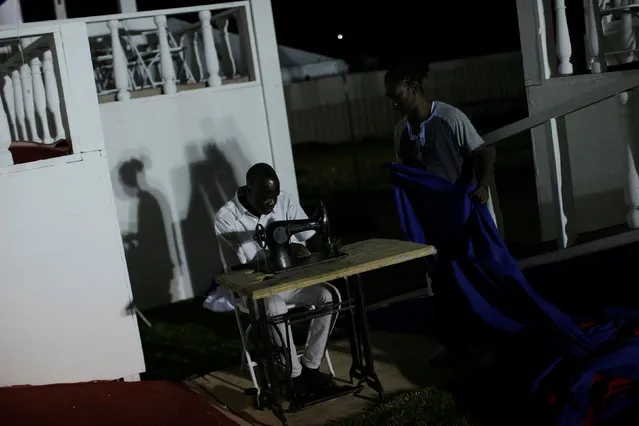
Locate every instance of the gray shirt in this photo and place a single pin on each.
(441, 146)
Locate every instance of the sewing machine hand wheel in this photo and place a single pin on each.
(260, 235)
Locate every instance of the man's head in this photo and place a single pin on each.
(403, 86)
(263, 188)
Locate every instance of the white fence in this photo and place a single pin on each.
(30, 109)
(354, 107)
(148, 53)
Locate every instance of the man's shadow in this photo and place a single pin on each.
(213, 183)
(147, 249)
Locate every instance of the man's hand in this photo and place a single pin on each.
(480, 194)
(300, 251)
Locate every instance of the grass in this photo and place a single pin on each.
(427, 407)
(187, 341)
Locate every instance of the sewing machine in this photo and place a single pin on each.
(276, 236)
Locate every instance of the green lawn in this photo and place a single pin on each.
(428, 407)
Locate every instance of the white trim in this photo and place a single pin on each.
(187, 93)
(576, 103)
(17, 168)
(33, 27)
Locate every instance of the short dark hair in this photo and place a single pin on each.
(407, 71)
(261, 172)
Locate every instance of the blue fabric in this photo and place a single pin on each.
(474, 267)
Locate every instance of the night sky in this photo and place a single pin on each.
(437, 30)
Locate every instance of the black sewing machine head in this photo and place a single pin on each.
(276, 236)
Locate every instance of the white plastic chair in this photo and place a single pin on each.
(244, 333)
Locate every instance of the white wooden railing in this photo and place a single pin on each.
(610, 34)
(147, 50)
(30, 109)
(622, 88)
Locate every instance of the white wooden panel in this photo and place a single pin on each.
(196, 147)
(64, 281)
(271, 79)
(79, 88)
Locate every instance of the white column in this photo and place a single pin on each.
(60, 9)
(52, 96)
(7, 91)
(27, 96)
(210, 52)
(166, 60)
(39, 98)
(271, 78)
(632, 177)
(18, 97)
(128, 6)
(120, 66)
(564, 48)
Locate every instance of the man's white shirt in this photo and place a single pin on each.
(235, 228)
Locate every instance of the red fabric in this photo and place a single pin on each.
(153, 403)
(612, 386)
(26, 152)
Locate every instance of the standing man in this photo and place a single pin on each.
(435, 136)
(261, 201)
(440, 139)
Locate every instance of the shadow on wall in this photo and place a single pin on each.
(147, 250)
(213, 183)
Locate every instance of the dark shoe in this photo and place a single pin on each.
(300, 386)
(315, 379)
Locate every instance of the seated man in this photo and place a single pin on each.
(261, 201)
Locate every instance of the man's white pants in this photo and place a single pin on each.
(319, 327)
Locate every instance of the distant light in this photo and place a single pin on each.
(339, 36)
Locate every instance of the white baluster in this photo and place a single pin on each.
(6, 159)
(39, 98)
(628, 39)
(166, 60)
(210, 52)
(19, 100)
(120, 66)
(632, 177)
(51, 90)
(198, 60)
(564, 48)
(7, 91)
(223, 24)
(592, 36)
(29, 107)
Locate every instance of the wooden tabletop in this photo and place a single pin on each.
(361, 257)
